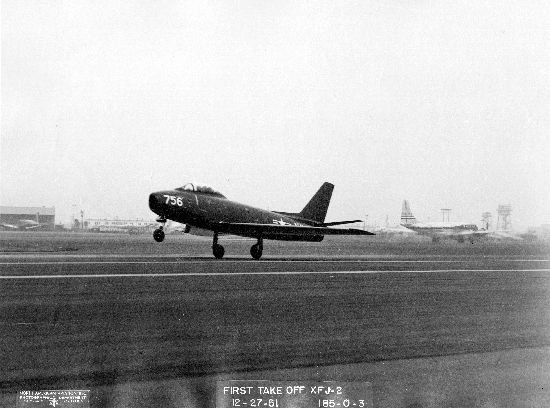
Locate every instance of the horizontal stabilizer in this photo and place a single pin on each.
(328, 224)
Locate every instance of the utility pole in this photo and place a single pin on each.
(486, 220)
(73, 215)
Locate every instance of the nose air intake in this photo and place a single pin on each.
(153, 202)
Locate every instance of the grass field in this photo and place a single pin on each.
(193, 245)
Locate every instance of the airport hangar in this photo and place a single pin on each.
(42, 215)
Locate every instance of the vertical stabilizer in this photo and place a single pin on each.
(317, 207)
(407, 217)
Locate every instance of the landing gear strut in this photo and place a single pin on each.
(217, 249)
(256, 249)
(158, 234)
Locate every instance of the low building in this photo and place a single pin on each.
(132, 226)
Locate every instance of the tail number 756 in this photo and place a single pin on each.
(173, 200)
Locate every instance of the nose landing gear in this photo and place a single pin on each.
(257, 249)
(158, 234)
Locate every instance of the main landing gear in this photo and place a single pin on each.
(257, 249)
(158, 234)
(218, 250)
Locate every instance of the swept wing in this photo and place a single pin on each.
(305, 230)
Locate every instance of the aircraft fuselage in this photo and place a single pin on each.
(212, 212)
(440, 228)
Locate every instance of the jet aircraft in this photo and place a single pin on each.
(437, 230)
(203, 207)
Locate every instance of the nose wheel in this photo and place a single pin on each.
(217, 249)
(257, 249)
(158, 234)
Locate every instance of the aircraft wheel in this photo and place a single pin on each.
(256, 251)
(218, 251)
(158, 234)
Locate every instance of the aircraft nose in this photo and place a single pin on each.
(154, 201)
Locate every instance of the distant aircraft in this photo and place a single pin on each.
(511, 236)
(437, 230)
(121, 227)
(396, 230)
(23, 225)
(203, 207)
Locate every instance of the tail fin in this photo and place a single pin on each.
(407, 216)
(317, 207)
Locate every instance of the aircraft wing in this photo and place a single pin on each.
(259, 229)
(469, 233)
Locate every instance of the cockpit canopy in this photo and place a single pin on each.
(200, 188)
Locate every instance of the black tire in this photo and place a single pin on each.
(158, 235)
(256, 251)
(218, 251)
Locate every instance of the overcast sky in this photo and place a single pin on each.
(444, 103)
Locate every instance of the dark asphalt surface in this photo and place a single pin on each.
(195, 322)
(90, 320)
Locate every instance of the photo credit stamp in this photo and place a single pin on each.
(53, 398)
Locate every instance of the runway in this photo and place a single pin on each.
(97, 320)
